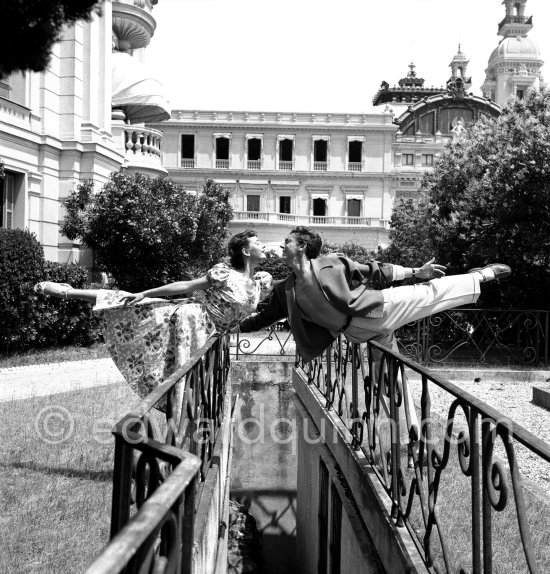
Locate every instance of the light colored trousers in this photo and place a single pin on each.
(409, 303)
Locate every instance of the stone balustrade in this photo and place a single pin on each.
(269, 217)
(142, 148)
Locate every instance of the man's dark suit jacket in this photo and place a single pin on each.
(342, 281)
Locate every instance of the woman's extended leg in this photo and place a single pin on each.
(65, 291)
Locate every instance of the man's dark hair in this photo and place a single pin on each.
(236, 245)
(311, 239)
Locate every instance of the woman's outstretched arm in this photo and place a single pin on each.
(177, 288)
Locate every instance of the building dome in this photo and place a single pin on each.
(515, 47)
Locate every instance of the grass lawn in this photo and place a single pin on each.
(56, 498)
(55, 355)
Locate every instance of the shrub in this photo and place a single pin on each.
(21, 266)
(350, 249)
(62, 322)
(275, 265)
(30, 320)
(146, 232)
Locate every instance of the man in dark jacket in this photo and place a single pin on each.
(328, 295)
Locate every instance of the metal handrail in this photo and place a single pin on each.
(192, 400)
(374, 420)
(486, 336)
(501, 336)
(275, 333)
(164, 520)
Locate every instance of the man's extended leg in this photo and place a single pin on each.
(409, 303)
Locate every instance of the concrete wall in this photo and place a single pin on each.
(263, 475)
(357, 551)
(370, 541)
(210, 537)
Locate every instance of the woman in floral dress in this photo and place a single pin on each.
(149, 338)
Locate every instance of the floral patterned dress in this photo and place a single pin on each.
(150, 340)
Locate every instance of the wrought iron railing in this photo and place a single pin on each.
(275, 340)
(161, 531)
(478, 336)
(178, 421)
(490, 336)
(466, 441)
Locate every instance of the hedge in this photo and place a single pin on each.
(31, 320)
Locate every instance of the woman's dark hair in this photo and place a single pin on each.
(236, 245)
(311, 239)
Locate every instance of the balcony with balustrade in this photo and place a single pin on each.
(142, 149)
(187, 163)
(286, 165)
(512, 21)
(254, 164)
(222, 164)
(318, 220)
(320, 165)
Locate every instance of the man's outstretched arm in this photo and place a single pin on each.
(385, 273)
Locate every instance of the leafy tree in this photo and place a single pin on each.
(488, 200)
(410, 245)
(148, 231)
(275, 265)
(350, 249)
(33, 26)
(214, 214)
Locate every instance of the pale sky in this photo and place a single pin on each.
(320, 55)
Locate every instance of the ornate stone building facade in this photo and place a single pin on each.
(96, 109)
(428, 119)
(342, 173)
(339, 173)
(56, 126)
(330, 171)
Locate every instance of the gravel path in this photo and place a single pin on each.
(39, 380)
(512, 398)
